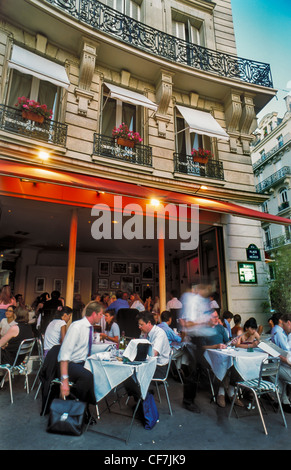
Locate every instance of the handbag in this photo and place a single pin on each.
(67, 417)
(150, 412)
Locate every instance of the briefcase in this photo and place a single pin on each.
(67, 417)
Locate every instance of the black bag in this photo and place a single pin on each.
(66, 417)
(150, 411)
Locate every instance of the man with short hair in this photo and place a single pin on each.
(160, 346)
(166, 318)
(279, 336)
(285, 367)
(73, 353)
(118, 303)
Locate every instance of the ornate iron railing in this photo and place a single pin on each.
(274, 178)
(184, 164)
(52, 132)
(277, 242)
(137, 34)
(273, 151)
(105, 146)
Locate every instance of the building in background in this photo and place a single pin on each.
(169, 70)
(271, 158)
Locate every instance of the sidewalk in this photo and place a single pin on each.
(22, 427)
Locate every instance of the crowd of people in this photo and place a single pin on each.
(190, 325)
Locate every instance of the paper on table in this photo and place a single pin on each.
(268, 349)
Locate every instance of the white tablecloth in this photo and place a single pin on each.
(246, 363)
(109, 374)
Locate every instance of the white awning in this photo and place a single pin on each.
(202, 122)
(129, 96)
(27, 62)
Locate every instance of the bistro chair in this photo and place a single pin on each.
(260, 386)
(165, 383)
(127, 322)
(25, 349)
(40, 359)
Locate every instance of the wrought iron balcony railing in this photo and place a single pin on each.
(52, 132)
(137, 34)
(273, 151)
(277, 242)
(105, 146)
(184, 164)
(273, 179)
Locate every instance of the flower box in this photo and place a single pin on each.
(32, 116)
(201, 155)
(200, 159)
(125, 142)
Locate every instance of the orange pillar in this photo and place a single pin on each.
(162, 275)
(72, 259)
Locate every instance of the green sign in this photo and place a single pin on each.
(247, 273)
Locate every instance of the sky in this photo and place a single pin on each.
(263, 33)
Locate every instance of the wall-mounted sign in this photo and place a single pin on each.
(253, 253)
(247, 273)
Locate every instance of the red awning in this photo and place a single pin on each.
(93, 183)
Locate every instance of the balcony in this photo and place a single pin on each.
(273, 179)
(153, 41)
(184, 164)
(51, 132)
(277, 242)
(286, 141)
(105, 146)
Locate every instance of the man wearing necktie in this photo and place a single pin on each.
(74, 351)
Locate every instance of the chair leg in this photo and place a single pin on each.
(261, 414)
(47, 400)
(158, 392)
(168, 398)
(233, 400)
(37, 392)
(36, 377)
(211, 385)
(281, 409)
(132, 419)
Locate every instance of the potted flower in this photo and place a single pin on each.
(201, 155)
(33, 110)
(125, 137)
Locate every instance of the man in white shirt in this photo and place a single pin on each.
(285, 367)
(160, 346)
(74, 352)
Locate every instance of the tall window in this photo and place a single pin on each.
(33, 88)
(267, 237)
(283, 194)
(188, 31)
(115, 112)
(186, 140)
(127, 7)
(280, 140)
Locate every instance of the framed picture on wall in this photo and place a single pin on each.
(77, 287)
(40, 284)
(137, 280)
(134, 268)
(102, 283)
(137, 289)
(147, 271)
(114, 285)
(118, 267)
(58, 285)
(147, 291)
(127, 283)
(103, 268)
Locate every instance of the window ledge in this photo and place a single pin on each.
(122, 165)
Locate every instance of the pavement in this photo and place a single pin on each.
(22, 428)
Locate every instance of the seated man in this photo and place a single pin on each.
(166, 318)
(73, 354)
(278, 335)
(160, 346)
(285, 367)
(118, 303)
(217, 339)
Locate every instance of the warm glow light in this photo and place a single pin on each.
(203, 187)
(155, 202)
(43, 155)
(115, 222)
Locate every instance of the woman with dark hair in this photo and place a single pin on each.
(57, 328)
(112, 331)
(251, 337)
(6, 299)
(15, 335)
(9, 321)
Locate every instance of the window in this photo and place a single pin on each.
(288, 232)
(280, 140)
(127, 7)
(265, 207)
(186, 140)
(188, 31)
(267, 237)
(283, 194)
(115, 112)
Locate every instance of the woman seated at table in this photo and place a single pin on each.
(137, 303)
(57, 328)
(251, 337)
(112, 331)
(10, 342)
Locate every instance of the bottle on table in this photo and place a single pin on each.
(122, 341)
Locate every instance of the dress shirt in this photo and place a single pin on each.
(170, 333)
(198, 311)
(174, 303)
(159, 342)
(117, 304)
(289, 350)
(279, 337)
(75, 346)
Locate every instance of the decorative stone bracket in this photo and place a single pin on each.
(163, 96)
(83, 92)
